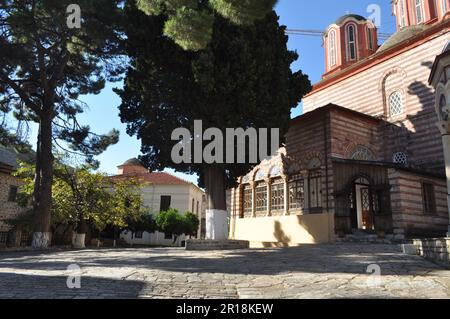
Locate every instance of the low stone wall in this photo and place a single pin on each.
(194, 244)
(435, 249)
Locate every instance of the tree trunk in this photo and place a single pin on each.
(80, 236)
(43, 184)
(215, 187)
(216, 212)
(82, 225)
(115, 236)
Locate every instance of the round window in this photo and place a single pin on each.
(400, 158)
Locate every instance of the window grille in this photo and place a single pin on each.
(315, 189)
(247, 200)
(396, 103)
(261, 197)
(297, 194)
(362, 153)
(400, 158)
(277, 195)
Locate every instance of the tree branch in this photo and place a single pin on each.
(57, 75)
(19, 91)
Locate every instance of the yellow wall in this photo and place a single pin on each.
(284, 231)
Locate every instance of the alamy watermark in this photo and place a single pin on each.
(375, 14)
(73, 16)
(234, 146)
(374, 281)
(73, 277)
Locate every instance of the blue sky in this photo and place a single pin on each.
(102, 114)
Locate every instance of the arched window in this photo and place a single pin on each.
(369, 38)
(417, 6)
(332, 48)
(402, 12)
(351, 42)
(314, 163)
(400, 158)
(396, 103)
(362, 153)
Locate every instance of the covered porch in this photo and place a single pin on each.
(362, 197)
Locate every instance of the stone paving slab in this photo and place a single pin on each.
(315, 271)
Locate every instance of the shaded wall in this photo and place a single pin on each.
(285, 231)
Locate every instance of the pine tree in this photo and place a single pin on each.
(49, 56)
(190, 23)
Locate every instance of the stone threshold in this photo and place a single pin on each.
(195, 244)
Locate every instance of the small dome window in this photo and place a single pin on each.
(332, 47)
(418, 11)
(369, 38)
(351, 42)
(402, 13)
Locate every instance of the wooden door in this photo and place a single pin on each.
(367, 213)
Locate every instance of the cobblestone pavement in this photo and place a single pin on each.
(323, 271)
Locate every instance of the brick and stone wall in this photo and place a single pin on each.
(408, 206)
(368, 92)
(348, 131)
(7, 209)
(308, 140)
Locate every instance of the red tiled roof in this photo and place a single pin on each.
(159, 178)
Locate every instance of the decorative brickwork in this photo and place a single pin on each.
(408, 209)
(320, 157)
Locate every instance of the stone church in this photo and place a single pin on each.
(367, 155)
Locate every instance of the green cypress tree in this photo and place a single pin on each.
(242, 79)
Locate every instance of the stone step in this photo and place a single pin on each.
(195, 244)
(372, 238)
